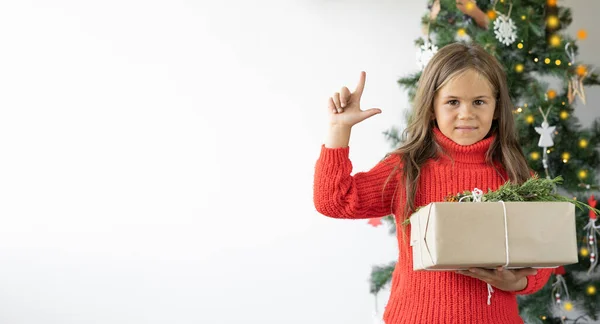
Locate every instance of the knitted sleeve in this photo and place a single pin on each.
(338, 194)
(536, 282)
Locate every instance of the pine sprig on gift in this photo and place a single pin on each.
(534, 189)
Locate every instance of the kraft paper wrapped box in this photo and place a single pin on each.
(460, 235)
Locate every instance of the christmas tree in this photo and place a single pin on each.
(528, 37)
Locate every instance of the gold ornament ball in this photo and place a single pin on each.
(552, 21)
(491, 14)
(564, 114)
(551, 94)
(555, 40)
(582, 174)
(581, 34)
(551, 3)
(461, 32)
(591, 290)
(581, 70)
(583, 143)
(519, 68)
(534, 156)
(584, 252)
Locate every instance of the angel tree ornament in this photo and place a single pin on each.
(546, 133)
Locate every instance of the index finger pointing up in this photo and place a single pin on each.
(361, 84)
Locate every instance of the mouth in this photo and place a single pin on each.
(465, 128)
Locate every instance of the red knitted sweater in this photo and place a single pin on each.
(427, 297)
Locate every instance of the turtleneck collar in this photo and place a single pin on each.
(474, 153)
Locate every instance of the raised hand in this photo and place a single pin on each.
(344, 106)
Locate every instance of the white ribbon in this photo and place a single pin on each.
(477, 195)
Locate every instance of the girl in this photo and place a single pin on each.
(461, 136)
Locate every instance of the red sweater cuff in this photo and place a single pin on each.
(535, 283)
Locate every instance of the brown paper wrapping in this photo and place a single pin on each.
(454, 236)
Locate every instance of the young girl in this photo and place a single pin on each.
(461, 136)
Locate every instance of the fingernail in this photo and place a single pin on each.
(343, 105)
(339, 110)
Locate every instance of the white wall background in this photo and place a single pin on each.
(157, 157)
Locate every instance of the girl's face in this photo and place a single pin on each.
(464, 108)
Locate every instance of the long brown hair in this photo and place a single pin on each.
(418, 144)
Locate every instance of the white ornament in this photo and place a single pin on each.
(465, 38)
(545, 134)
(505, 30)
(425, 53)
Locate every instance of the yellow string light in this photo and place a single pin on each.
(557, 62)
(584, 252)
(565, 157)
(535, 60)
(520, 46)
(591, 290)
(552, 21)
(564, 114)
(523, 17)
(583, 143)
(519, 68)
(568, 306)
(529, 119)
(547, 60)
(534, 156)
(582, 174)
(555, 40)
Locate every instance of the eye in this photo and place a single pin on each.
(453, 102)
(479, 102)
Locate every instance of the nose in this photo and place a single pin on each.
(465, 112)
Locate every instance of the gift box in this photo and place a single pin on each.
(459, 235)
